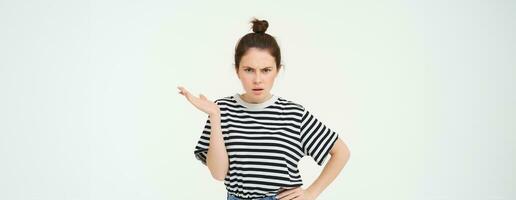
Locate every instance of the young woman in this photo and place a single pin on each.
(254, 141)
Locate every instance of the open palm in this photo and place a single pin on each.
(202, 103)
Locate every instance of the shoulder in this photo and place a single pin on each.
(225, 99)
(288, 103)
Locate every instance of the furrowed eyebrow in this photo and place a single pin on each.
(255, 68)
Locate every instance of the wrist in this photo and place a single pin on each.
(312, 192)
(215, 114)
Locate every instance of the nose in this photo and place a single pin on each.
(257, 78)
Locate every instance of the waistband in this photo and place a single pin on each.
(233, 197)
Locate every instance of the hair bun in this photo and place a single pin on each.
(260, 26)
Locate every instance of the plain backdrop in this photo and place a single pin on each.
(422, 92)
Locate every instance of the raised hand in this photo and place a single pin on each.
(202, 103)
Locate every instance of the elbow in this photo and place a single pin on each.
(218, 172)
(218, 176)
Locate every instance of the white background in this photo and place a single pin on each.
(423, 93)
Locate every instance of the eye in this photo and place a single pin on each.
(267, 70)
(248, 70)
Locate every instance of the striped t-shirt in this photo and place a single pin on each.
(265, 142)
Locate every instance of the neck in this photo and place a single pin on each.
(244, 97)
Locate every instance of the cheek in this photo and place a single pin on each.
(246, 80)
(270, 78)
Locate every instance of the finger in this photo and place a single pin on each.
(203, 97)
(182, 90)
(286, 192)
(186, 93)
(290, 193)
(188, 96)
(293, 195)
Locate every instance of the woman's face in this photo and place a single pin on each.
(257, 72)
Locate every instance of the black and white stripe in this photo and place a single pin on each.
(265, 145)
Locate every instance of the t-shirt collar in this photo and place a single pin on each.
(255, 106)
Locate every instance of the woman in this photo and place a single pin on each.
(254, 141)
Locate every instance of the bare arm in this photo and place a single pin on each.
(339, 157)
(217, 157)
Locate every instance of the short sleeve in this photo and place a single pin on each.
(316, 138)
(201, 149)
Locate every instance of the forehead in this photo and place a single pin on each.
(257, 58)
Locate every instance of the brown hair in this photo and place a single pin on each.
(258, 39)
